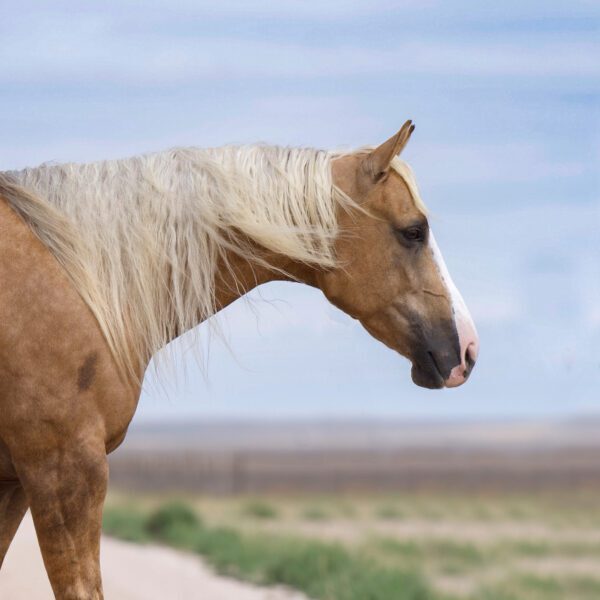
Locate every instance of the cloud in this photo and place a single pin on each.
(406, 12)
(91, 48)
(496, 309)
(325, 10)
(487, 162)
(281, 309)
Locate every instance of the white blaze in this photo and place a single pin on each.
(462, 318)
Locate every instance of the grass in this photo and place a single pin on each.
(169, 517)
(389, 512)
(531, 587)
(259, 509)
(428, 545)
(323, 571)
(315, 513)
(126, 523)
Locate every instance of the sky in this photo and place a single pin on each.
(505, 99)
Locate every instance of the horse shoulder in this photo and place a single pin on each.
(58, 379)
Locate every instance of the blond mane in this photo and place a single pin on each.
(141, 238)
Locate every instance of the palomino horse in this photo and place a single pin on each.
(102, 264)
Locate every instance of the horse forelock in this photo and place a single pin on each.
(404, 170)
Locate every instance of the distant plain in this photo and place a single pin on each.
(465, 511)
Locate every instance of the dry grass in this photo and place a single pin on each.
(492, 547)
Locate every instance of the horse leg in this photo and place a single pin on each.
(66, 490)
(13, 505)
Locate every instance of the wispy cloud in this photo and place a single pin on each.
(90, 48)
(515, 162)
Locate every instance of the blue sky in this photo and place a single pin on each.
(506, 102)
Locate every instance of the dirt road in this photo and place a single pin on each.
(130, 572)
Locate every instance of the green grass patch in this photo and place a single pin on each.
(323, 571)
(388, 512)
(315, 513)
(374, 546)
(534, 587)
(126, 523)
(445, 550)
(174, 515)
(258, 509)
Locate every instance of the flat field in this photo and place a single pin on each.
(436, 545)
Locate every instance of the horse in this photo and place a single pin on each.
(102, 264)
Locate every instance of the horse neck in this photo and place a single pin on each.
(236, 276)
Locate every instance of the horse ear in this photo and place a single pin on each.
(377, 162)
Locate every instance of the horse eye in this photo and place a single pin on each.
(413, 234)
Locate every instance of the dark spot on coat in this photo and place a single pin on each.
(87, 372)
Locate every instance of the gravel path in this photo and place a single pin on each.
(130, 572)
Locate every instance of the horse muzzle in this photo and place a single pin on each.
(446, 362)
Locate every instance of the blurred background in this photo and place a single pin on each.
(295, 422)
